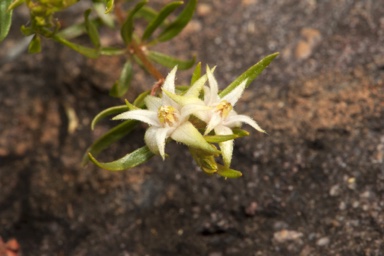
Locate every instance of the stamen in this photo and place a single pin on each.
(167, 115)
(223, 108)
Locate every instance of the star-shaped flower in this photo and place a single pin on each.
(168, 119)
(221, 117)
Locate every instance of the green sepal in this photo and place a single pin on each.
(130, 106)
(180, 22)
(169, 61)
(222, 138)
(250, 74)
(139, 101)
(91, 29)
(113, 135)
(158, 20)
(228, 172)
(196, 73)
(108, 112)
(205, 161)
(35, 45)
(127, 27)
(15, 3)
(5, 18)
(121, 86)
(109, 6)
(104, 15)
(86, 51)
(130, 160)
(27, 31)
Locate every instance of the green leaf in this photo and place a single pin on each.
(121, 86)
(108, 112)
(196, 73)
(5, 18)
(86, 51)
(227, 172)
(109, 6)
(110, 51)
(146, 13)
(113, 135)
(169, 61)
(222, 138)
(158, 20)
(35, 45)
(91, 29)
(130, 160)
(250, 74)
(127, 27)
(180, 22)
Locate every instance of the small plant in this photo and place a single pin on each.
(198, 116)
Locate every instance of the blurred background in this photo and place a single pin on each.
(313, 186)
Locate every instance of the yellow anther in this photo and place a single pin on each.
(223, 108)
(167, 115)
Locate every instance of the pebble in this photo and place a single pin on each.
(286, 235)
(310, 38)
(323, 241)
(335, 190)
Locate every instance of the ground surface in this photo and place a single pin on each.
(314, 186)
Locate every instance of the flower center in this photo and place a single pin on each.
(167, 115)
(223, 108)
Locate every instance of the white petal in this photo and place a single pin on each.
(235, 94)
(213, 122)
(153, 103)
(194, 109)
(146, 116)
(169, 83)
(232, 121)
(214, 89)
(190, 136)
(155, 139)
(226, 147)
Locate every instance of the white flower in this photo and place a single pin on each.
(168, 119)
(221, 117)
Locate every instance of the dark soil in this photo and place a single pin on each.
(313, 186)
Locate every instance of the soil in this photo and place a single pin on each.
(313, 186)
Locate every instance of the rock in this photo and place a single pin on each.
(286, 235)
(324, 241)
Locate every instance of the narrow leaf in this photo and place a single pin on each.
(110, 51)
(169, 61)
(108, 112)
(139, 101)
(156, 22)
(86, 51)
(35, 45)
(113, 135)
(5, 18)
(91, 29)
(127, 28)
(147, 13)
(181, 21)
(250, 74)
(130, 160)
(196, 73)
(122, 85)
